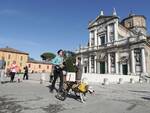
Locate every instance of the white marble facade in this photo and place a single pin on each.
(115, 49)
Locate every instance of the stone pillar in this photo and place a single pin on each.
(116, 31)
(133, 62)
(106, 69)
(116, 63)
(95, 64)
(121, 69)
(90, 64)
(96, 44)
(108, 39)
(98, 67)
(82, 63)
(88, 68)
(143, 60)
(128, 63)
(90, 36)
(109, 63)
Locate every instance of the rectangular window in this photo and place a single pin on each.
(29, 65)
(102, 38)
(39, 66)
(129, 24)
(92, 41)
(47, 67)
(92, 38)
(21, 58)
(92, 34)
(8, 63)
(20, 64)
(9, 56)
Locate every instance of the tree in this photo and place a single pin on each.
(47, 56)
(70, 59)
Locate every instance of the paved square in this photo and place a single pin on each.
(32, 97)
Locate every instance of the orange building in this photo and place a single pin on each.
(11, 54)
(39, 66)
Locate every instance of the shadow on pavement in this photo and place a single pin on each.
(139, 91)
(53, 108)
(7, 105)
(146, 98)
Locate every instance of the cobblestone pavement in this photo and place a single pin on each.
(32, 97)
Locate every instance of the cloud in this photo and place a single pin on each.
(8, 12)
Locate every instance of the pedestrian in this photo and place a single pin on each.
(25, 73)
(58, 65)
(79, 69)
(2, 69)
(14, 70)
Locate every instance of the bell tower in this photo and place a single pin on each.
(135, 23)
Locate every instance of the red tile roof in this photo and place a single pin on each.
(12, 50)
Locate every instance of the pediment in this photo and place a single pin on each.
(101, 20)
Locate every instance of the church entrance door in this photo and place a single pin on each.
(102, 67)
(125, 69)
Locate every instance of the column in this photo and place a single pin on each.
(90, 35)
(82, 63)
(116, 30)
(98, 67)
(95, 64)
(109, 63)
(116, 63)
(106, 67)
(143, 60)
(129, 67)
(121, 69)
(133, 61)
(89, 64)
(108, 39)
(95, 33)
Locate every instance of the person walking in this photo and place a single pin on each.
(25, 73)
(2, 69)
(58, 65)
(79, 69)
(13, 69)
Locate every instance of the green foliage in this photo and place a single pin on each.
(68, 54)
(47, 56)
(70, 61)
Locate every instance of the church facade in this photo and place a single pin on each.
(117, 47)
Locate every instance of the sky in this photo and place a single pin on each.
(37, 26)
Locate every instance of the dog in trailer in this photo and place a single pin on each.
(79, 89)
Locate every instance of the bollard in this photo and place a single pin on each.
(132, 80)
(120, 81)
(106, 82)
